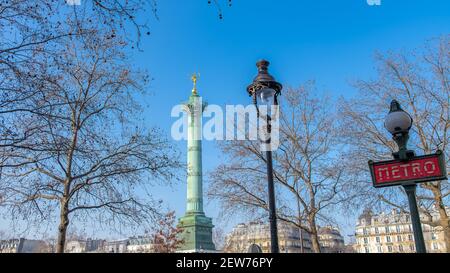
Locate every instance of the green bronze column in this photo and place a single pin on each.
(194, 155)
(197, 228)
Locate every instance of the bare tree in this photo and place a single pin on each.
(89, 156)
(166, 238)
(33, 32)
(3, 235)
(36, 24)
(420, 82)
(309, 180)
(218, 238)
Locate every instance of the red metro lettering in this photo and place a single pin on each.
(399, 171)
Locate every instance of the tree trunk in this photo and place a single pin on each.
(63, 224)
(314, 236)
(445, 223)
(444, 219)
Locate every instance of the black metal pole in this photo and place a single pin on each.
(415, 218)
(272, 209)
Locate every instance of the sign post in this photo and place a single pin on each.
(415, 218)
(407, 169)
(416, 169)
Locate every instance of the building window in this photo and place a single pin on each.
(410, 237)
(365, 231)
(388, 239)
(386, 229)
(400, 248)
(399, 238)
(379, 249)
(378, 239)
(365, 241)
(397, 228)
(367, 249)
(435, 246)
(377, 231)
(411, 247)
(389, 249)
(433, 236)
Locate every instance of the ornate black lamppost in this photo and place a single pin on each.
(398, 123)
(264, 91)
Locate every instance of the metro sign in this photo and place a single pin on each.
(418, 169)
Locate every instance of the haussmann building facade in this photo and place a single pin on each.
(392, 233)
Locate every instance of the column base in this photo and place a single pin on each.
(197, 233)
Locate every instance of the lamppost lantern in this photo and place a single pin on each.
(397, 121)
(266, 96)
(264, 89)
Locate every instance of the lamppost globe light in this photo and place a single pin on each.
(265, 96)
(397, 121)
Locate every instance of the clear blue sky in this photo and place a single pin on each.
(330, 41)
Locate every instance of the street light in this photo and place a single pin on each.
(264, 90)
(398, 123)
